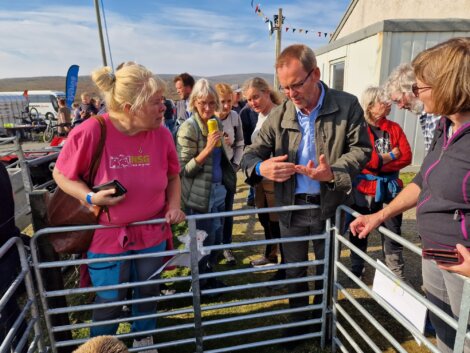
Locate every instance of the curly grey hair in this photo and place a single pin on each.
(400, 81)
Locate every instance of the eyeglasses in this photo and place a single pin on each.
(415, 89)
(296, 86)
(206, 104)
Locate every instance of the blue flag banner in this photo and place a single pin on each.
(71, 82)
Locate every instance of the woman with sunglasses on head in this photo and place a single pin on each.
(206, 170)
(441, 189)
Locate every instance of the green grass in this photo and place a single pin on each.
(407, 177)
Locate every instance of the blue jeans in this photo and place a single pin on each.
(116, 272)
(212, 226)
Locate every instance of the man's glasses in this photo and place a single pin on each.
(415, 89)
(296, 86)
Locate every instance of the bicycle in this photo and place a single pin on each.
(52, 129)
(31, 117)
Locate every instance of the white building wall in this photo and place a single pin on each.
(369, 62)
(367, 12)
(402, 48)
(362, 64)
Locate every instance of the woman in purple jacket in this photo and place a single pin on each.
(441, 190)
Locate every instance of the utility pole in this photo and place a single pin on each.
(278, 27)
(100, 31)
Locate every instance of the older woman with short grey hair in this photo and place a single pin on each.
(378, 182)
(206, 171)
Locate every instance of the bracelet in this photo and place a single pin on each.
(393, 156)
(257, 169)
(88, 198)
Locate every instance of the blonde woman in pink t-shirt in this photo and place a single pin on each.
(138, 152)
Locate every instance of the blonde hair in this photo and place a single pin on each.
(446, 68)
(102, 344)
(262, 86)
(370, 96)
(131, 84)
(203, 88)
(223, 89)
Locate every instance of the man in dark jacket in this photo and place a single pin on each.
(319, 142)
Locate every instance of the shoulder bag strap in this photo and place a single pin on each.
(95, 162)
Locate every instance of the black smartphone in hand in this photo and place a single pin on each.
(113, 184)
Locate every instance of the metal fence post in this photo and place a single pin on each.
(195, 285)
(463, 317)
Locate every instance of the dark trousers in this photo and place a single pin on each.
(303, 223)
(228, 221)
(391, 250)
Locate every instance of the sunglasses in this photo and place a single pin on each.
(415, 89)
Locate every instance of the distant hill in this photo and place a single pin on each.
(85, 83)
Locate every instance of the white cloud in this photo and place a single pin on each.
(48, 40)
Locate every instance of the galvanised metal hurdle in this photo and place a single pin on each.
(24, 331)
(198, 323)
(341, 315)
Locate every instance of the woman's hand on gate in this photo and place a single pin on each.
(175, 215)
(363, 225)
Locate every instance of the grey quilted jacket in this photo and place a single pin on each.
(196, 179)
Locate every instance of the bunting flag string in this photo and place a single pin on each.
(287, 27)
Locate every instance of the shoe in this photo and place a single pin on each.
(262, 261)
(228, 255)
(144, 342)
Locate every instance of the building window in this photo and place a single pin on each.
(337, 75)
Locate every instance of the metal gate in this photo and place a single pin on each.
(19, 316)
(191, 313)
(348, 333)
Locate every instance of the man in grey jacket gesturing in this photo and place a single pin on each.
(318, 142)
